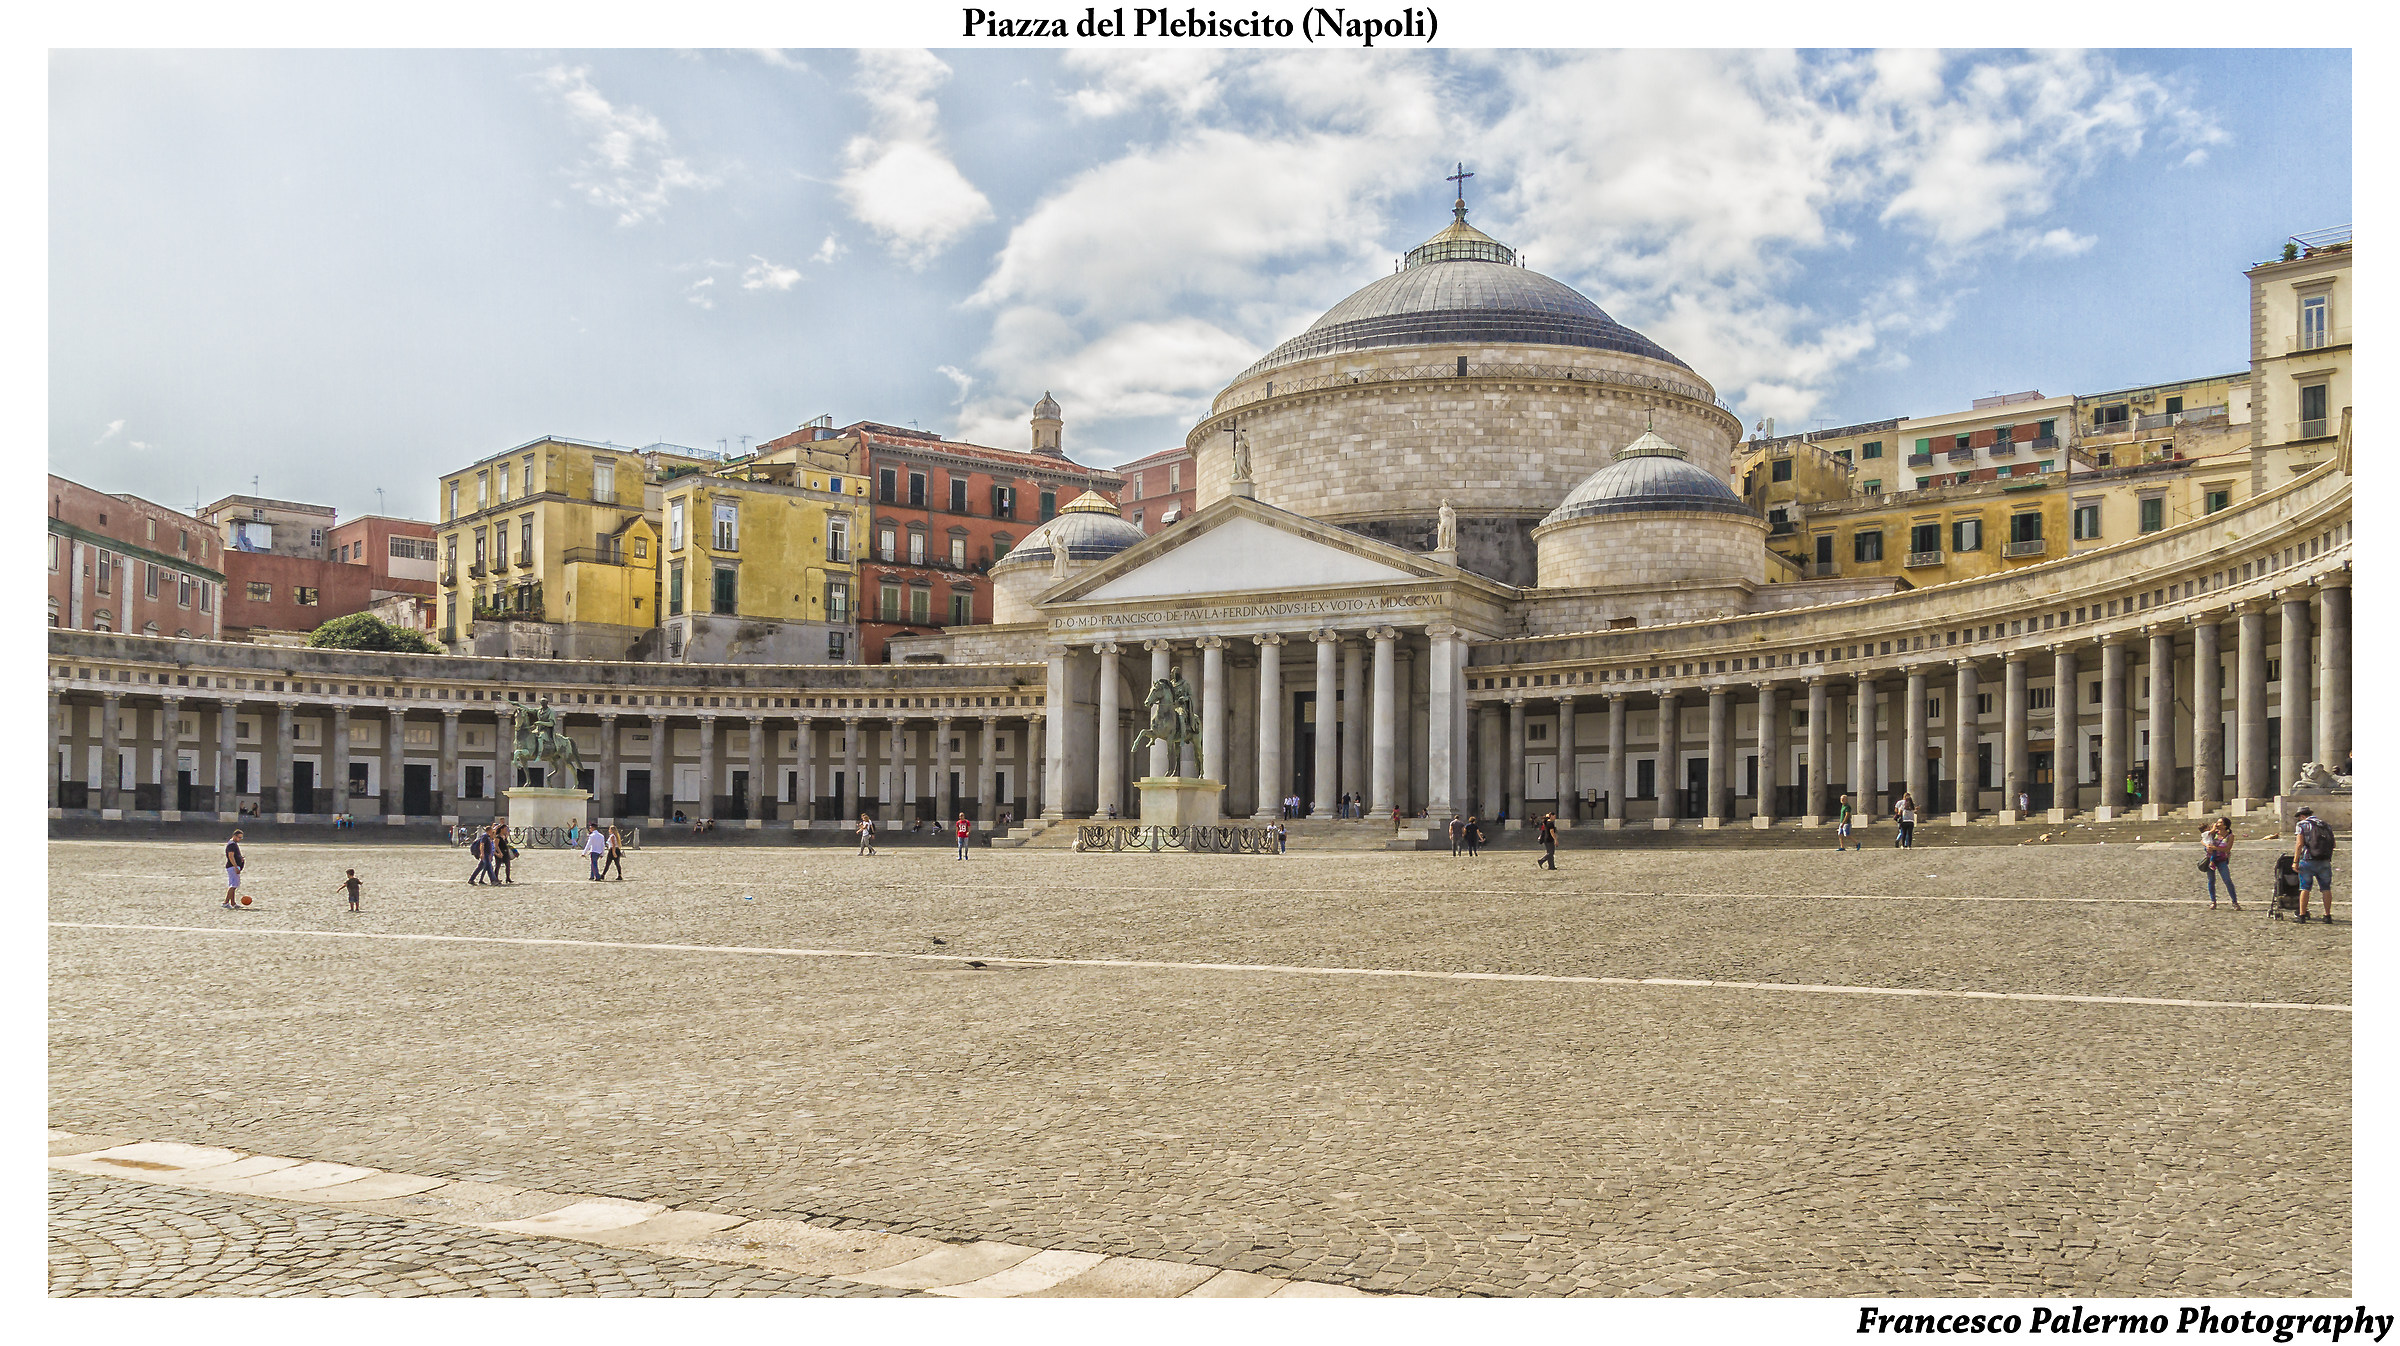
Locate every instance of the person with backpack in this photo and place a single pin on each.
(1905, 814)
(1841, 826)
(480, 846)
(2216, 860)
(1547, 829)
(2312, 853)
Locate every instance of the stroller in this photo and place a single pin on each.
(2287, 887)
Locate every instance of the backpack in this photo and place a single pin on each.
(2319, 842)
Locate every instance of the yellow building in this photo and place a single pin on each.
(759, 564)
(2300, 324)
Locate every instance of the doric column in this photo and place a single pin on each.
(708, 768)
(1770, 750)
(2333, 679)
(662, 779)
(2208, 715)
(1404, 685)
(1965, 783)
(1187, 760)
(1717, 804)
(2066, 733)
(503, 753)
(1837, 750)
(1270, 726)
(1213, 764)
(2295, 709)
(2115, 723)
(761, 804)
(1441, 715)
(227, 804)
(111, 792)
(1670, 755)
(1162, 663)
(1354, 718)
(1613, 775)
(340, 756)
(1326, 770)
(1512, 795)
(605, 797)
(986, 752)
(1492, 799)
(942, 802)
(1916, 742)
(445, 786)
(2162, 794)
(1043, 787)
(1566, 761)
(2016, 770)
(170, 714)
(1382, 761)
(1111, 774)
(804, 762)
(58, 741)
(1054, 738)
(1812, 784)
(1862, 749)
(286, 804)
(851, 733)
(2250, 707)
(896, 761)
(395, 765)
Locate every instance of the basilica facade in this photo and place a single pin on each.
(1466, 545)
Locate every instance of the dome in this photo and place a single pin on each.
(1461, 286)
(1046, 409)
(1649, 475)
(1088, 526)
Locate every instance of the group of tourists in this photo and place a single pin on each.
(2308, 865)
(1467, 835)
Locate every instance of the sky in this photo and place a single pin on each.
(343, 272)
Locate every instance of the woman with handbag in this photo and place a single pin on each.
(2216, 861)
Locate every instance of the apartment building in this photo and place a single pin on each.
(759, 566)
(2300, 327)
(401, 559)
(1158, 489)
(121, 563)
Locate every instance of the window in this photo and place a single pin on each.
(837, 601)
(1825, 549)
(208, 597)
(837, 538)
(525, 541)
(107, 574)
(2026, 527)
(316, 537)
(834, 485)
(1983, 704)
(503, 496)
(2108, 420)
(675, 524)
(1000, 545)
(887, 485)
(2085, 523)
(674, 588)
(721, 597)
(641, 548)
(2095, 697)
(54, 553)
(1174, 476)
(2312, 321)
(920, 605)
(304, 595)
(1136, 481)
(1004, 502)
(604, 482)
(1049, 505)
(1843, 454)
(2041, 698)
(2312, 411)
(2221, 498)
(958, 553)
(483, 485)
(54, 612)
(1923, 482)
(1866, 547)
(183, 591)
(1873, 448)
(2004, 435)
(149, 580)
(837, 646)
(1959, 441)
(2154, 514)
(2048, 464)
(916, 546)
(1925, 537)
(102, 621)
(1872, 486)
(962, 609)
(1782, 470)
(2046, 430)
(2174, 406)
(887, 544)
(889, 599)
(1966, 535)
(479, 549)
(958, 495)
(729, 526)
(453, 513)
(1925, 446)
(916, 489)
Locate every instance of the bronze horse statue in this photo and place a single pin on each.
(542, 742)
(1173, 721)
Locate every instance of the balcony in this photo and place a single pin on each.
(1920, 460)
(2313, 429)
(1961, 455)
(839, 556)
(524, 560)
(2313, 341)
(476, 571)
(594, 556)
(450, 576)
(2029, 547)
(1918, 560)
(1823, 570)
(2169, 419)
(2041, 443)
(1779, 528)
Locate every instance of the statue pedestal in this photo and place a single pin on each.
(1181, 801)
(541, 806)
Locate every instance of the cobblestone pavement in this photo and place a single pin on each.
(123, 1238)
(1386, 1133)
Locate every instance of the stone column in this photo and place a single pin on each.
(607, 800)
(111, 792)
(1492, 799)
(762, 790)
(1718, 803)
(59, 739)
(1213, 764)
(1513, 797)
(1812, 784)
(1404, 686)
(1042, 786)
(662, 766)
(1327, 767)
(227, 804)
(286, 804)
(1862, 752)
(1670, 756)
(896, 758)
(170, 716)
(1383, 762)
(1271, 787)
(2296, 711)
(1354, 718)
(1441, 716)
(804, 755)
(1966, 784)
(986, 754)
(850, 754)
(708, 769)
(395, 765)
(2066, 733)
(445, 789)
(2250, 708)
(2115, 722)
(1770, 752)
(2333, 678)
(1187, 761)
(1054, 739)
(2208, 716)
(2162, 797)
(1613, 775)
(1837, 749)
(2016, 770)
(1111, 775)
(1162, 663)
(1566, 761)
(340, 756)
(942, 802)
(1916, 743)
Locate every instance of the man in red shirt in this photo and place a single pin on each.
(964, 830)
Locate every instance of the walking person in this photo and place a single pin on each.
(866, 835)
(964, 832)
(480, 846)
(1905, 813)
(616, 856)
(1474, 836)
(2216, 860)
(1548, 830)
(2312, 856)
(1841, 825)
(233, 870)
(1458, 831)
(350, 883)
(1283, 839)
(594, 846)
(504, 854)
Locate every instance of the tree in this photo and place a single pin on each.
(366, 631)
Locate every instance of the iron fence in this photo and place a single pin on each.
(1196, 839)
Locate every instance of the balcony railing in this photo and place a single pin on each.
(2042, 443)
(1779, 527)
(450, 576)
(476, 571)
(2167, 419)
(839, 556)
(2313, 429)
(2311, 341)
(1961, 455)
(1823, 570)
(1920, 460)
(594, 556)
(524, 560)
(2029, 547)
(1919, 559)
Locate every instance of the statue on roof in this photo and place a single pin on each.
(1241, 455)
(1446, 537)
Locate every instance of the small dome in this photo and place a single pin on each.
(1649, 475)
(1089, 527)
(1046, 409)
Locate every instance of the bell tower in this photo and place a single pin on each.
(1048, 428)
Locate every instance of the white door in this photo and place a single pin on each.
(1541, 778)
(687, 784)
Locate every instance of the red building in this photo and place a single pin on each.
(398, 555)
(1158, 489)
(120, 563)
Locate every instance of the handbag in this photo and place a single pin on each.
(2206, 864)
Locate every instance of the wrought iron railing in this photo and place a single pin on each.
(2029, 547)
(1920, 559)
(1563, 373)
(1962, 455)
(1198, 839)
(594, 556)
(547, 838)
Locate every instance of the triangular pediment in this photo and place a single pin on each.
(1240, 546)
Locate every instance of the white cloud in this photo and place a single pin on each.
(2056, 243)
(898, 180)
(1183, 80)
(827, 251)
(111, 432)
(959, 378)
(701, 292)
(779, 58)
(631, 168)
(765, 275)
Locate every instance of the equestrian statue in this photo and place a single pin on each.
(1173, 721)
(542, 742)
